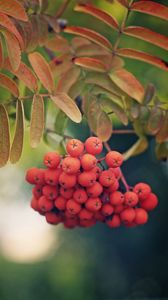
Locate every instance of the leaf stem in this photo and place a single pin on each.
(123, 179)
(62, 8)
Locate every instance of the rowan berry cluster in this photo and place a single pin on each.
(77, 190)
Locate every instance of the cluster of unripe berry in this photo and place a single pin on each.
(77, 190)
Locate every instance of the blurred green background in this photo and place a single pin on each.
(38, 261)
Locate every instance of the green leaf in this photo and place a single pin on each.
(52, 139)
(140, 146)
(135, 110)
(37, 121)
(162, 135)
(117, 109)
(4, 136)
(60, 122)
(155, 120)
(161, 151)
(68, 106)
(149, 93)
(9, 84)
(128, 83)
(17, 145)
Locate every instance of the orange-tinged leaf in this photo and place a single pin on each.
(25, 30)
(91, 50)
(24, 73)
(9, 84)
(67, 80)
(14, 9)
(53, 22)
(37, 120)
(139, 147)
(155, 120)
(116, 108)
(152, 8)
(61, 64)
(4, 136)
(68, 106)
(90, 63)
(42, 70)
(1, 54)
(17, 145)
(162, 135)
(161, 151)
(142, 56)
(13, 49)
(148, 36)
(98, 13)
(128, 83)
(58, 43)
(6, 22)
(90, 35)
(78, 42)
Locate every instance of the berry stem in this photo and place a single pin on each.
(123, 179)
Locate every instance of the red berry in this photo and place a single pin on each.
(130, 199)
(98, 216)
(71, 165)
(52, 160)
(52, 176)
(66, 193)
(114, 186)
(114, 159)
(106, 178)
(150, 202)
(95, 190)
(70, 223)
(119, 208)
(117, 172)
(50, 192)
(85, 214)
(116, 198)
(73, 207)
(45, 204)
(107, 209)
(114, 222)
(141, 216)
(87, 223)
(53, 218)
(128, 215)
(34, 204)
(60, 203)
(93, 145)
(30, 175)
(80, 196)
(142, 190)
(75, 147)
(87, 179)
(37, 191)
(97, 171)
(93, 204)
(88, 161)
(67, 181)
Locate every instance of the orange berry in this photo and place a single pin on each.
(150, 202)
(114, 159)
(85, 214)
(93, 204)
(80, 195)
(117, 172)
(34, 204)
(66, 193)
(70, 165)
(50, 192)
(93, 145)
(106, 178)
(88, 161)
(52, 160)
(87, 179)
(45, 204)
(52, 176)
(73, 207)
(130, 199)
(53, 218)
(75, 147)
(37, 191)
(30, 175)
(107, 209)
(67, 181)
(142, 190)
(95, 190)
(141, 216)
(128, 215)
(60, 203)
(119, 208)
(116, 198)
(114, 186)
(114, 222)
(97, 170)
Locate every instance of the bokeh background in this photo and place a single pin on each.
(39, 261)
